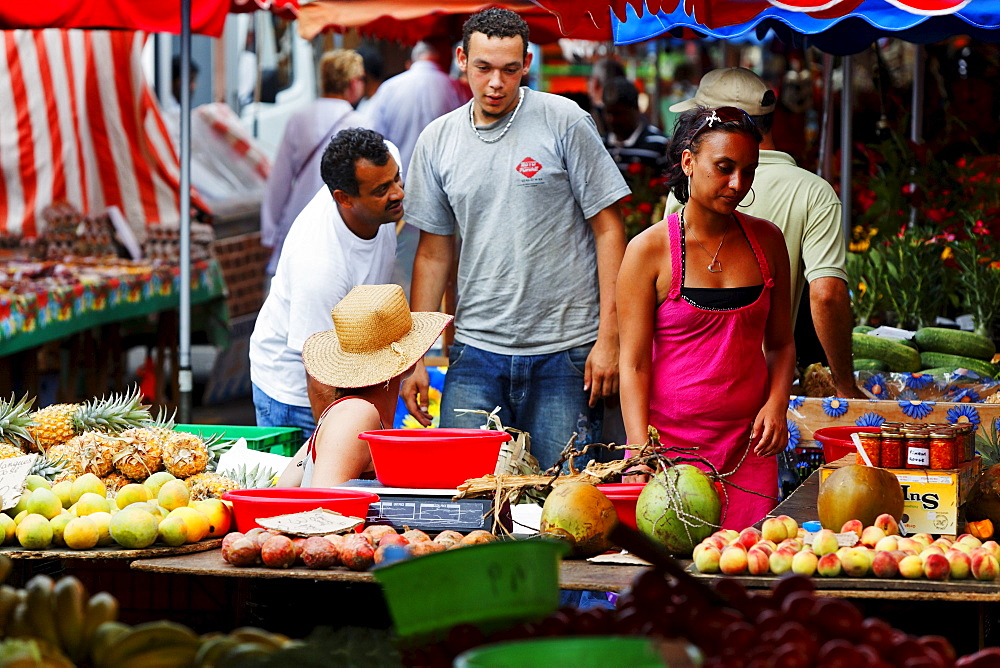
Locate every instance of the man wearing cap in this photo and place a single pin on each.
(524, 179)
(806, 209)
(341, 239)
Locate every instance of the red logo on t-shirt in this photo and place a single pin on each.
(529, 167)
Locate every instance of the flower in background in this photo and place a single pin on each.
(796, 402)
(794, 434)
(870, 420)
(876, 386)
(834, 407)
(916, 409)
(963, 413)
(648, 199)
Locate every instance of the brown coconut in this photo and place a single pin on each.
(858, 493)
(580, 514)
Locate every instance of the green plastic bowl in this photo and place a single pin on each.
(579, 652)
(490, 586)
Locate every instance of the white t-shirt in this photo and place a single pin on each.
(321, 261)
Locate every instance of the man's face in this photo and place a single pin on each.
(380, 192)
(621, 119)
(495, 66)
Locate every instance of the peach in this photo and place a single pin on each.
(825, 542)
(969, 539)
(884, 565)
(765, 545)
(857, 563)
(828, 565)
(888, 524)
(733, 560)
(749, 537)
(887, 544)
(728, 535)
(780, 560)
(924, 538)
(853, 525)
(717, 541)
(899, 554)
(910, 544)
(698, 549)
(774, 529)
(993, 548)
(758, 561)
(278, 552)
(791, 526)
(911, 567)
(961, 547)
(707, 559)
(929, 550)
(791, 543)
(937, 567)
(961, 564)
(985, 567)
(804, 563)
(943, 543)
(871, 536)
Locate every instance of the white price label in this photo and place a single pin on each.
(13, 471)
(918, 456)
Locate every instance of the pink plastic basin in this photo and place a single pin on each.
(837, 441)
(251, 504)
(623, 497)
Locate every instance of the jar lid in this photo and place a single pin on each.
(916, 434)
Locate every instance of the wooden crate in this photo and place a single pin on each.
(243, 262)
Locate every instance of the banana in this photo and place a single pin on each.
(101, 607)
(177, 655)
(148, 636)
(266, 639)
(213, 648)
(68, 599)
(9, 598)
(41, 619)
(104, 639)
(242, 655)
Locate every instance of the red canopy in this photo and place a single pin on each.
(207, 16)
(409, 21)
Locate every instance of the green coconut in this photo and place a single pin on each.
(678, 508)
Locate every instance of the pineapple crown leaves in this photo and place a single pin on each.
(15, 419)
(116, 413)
(255, 478)
(162, 420)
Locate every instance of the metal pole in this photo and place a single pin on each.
(826, 138)
(917, 101)
(184, 377)
(846, 142)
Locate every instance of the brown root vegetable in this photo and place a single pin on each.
(357, 553)
(244, 552)
(478, 537)
(424, 547)
(374, 532)
(449, 537)
(415, 535)
(319, 554)
(228, 541)
(278, 552)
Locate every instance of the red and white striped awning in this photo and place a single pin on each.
(79, 123)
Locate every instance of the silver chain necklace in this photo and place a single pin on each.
(714, 266)
(472, 121)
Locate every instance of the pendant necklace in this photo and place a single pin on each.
(472, 121)
(715, 266)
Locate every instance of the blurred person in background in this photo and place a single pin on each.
(374, 74)
(631, 138)
(295, 175)
(604, 70)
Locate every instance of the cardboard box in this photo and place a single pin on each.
(932, 498)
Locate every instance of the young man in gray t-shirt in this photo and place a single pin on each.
(523, 178)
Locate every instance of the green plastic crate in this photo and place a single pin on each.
(278, 440)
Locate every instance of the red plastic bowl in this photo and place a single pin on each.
(837, 441)
(623, 496)
(251, 504)
(433, 458)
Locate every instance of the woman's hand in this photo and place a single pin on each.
(770, 431)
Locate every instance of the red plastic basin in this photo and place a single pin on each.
(837, 441)
(433, 458)
(249, 505)
(623, 496)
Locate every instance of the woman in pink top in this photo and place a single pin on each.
(707, 353)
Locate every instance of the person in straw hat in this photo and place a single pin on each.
(374, 342)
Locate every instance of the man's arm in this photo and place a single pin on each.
(601, 374)
(830, 305)
(431, 267)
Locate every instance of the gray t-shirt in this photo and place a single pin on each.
(527, 272)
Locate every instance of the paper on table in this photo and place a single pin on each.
(241, 454)
(318, 522)
(13, 472)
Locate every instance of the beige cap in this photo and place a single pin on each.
(731, 87)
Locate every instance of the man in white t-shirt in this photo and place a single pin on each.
(341, 239)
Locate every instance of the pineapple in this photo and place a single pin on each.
(184, 454)
(8, 450)
(210, 485)
(15, 426)
(141, 455)
(256, 478)
(68, 454)
(51, 468)
(96, 452)
(114, 481)
(60, 422)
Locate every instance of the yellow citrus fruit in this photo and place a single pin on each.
(173, 494)
(44, 502)
(131, 493)
(34, 532)
(64, 490)
(155, 481)
(9, 528)
(59, 523)
(103, 523)
(88, 482)
(197, 523)
(91, 502)
(81, 533)
(173, 531)
(133, 528)
(20, 516)
(22, 504)
(219, 516)
(34, 482)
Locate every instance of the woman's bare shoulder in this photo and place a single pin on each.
(352, 412)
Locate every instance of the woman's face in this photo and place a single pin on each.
(722, 171)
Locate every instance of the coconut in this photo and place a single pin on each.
(858, 493)
(678, 508)
(984, 500)
(578, 513)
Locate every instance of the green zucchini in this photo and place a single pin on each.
(931, 360)
(862, 329)
(955, 342)
(899, 357)
(862, 364)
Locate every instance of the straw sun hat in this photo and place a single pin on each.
(374, 338)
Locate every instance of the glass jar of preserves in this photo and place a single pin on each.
(893, 454)
(967, 439)
(871, 442)
(944, 449)
(918, 452)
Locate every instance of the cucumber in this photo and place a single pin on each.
(909, 343)
(955, 342)
(862, 364)
(896, 355)
(938, 371)
(931, 360)
(862, 329)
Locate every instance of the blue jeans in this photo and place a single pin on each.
(540, 394)
(273, 413)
